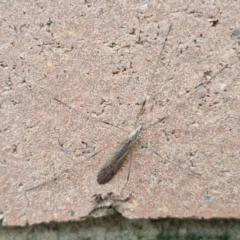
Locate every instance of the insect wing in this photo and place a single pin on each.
(109, 169)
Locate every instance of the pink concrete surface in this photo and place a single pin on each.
(67, 67)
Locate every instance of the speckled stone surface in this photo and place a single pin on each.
(68, 67)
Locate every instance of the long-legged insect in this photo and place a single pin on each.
(116, 160)
(113, 163)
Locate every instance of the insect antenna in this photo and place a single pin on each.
(142, 109)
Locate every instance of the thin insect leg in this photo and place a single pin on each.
(201, 84)
(144, 102)
(140, 112)
(196, 87)
(71, 108)
(36, 187)
(164, 118)
(62, 172)
(214, 76)
(128, 177)
(155, 152)
(105, 122)
(111, 166)
(53, 179)
(159, 55)
(56, 99)
(112, 125)
(142, 109)
(44, 183)
(164, 43)
(170, 114)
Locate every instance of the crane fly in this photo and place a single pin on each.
(116, 160)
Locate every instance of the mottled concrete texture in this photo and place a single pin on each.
(66, 67)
